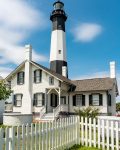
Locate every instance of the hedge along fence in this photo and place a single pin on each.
(102, 133)
(55, 135)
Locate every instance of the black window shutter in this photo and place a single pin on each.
(83, 100)
(18, 78)
(100, 100)
(43, 99)
(90, 100)
(55, 100)
(35, 100)
(109, 100)
(51, 98)
(35, 76)
(74, 100)
(23, 77)
(40, 75)
(14, 100)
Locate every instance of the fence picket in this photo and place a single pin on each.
(112, 136)
(62, 134)
(82, 128)
(90, 132)
(103, 134)
(107, 134)
(117, 135)
(94, 131)
(86, 132)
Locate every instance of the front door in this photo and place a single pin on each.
(53, 100)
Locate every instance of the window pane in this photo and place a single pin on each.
(39, 102)
(39, 96)
(18, 102)
(95, 100)
(78, 99)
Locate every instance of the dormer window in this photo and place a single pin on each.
(51, 80)
(37, 76)
(20, 78)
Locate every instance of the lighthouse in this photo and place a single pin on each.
(58, 62)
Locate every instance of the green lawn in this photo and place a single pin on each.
(78, 147)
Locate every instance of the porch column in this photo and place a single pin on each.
(59, 96)
(46, 99)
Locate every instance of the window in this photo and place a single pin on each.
(63, 100)
(20, 78)
(18, 100)
(96, 100)
(59, 51)
(37, 76)
(51, 80)
(109, 100)
(54, 100)
(79, 100)
(39, 99)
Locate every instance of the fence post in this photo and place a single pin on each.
(1, 138)
(78, 130)
(90, 132)
(86, 131)
(99, 133)
(117, 136)
(82, 130)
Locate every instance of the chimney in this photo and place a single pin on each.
(112, 70)
(64, 71)
(28, 52)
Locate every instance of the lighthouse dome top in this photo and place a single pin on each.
(58, 5)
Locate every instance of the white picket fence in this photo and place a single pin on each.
(54, 135)
(101, 133)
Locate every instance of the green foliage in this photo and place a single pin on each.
(118, 107)
(5, 92)
(89, 112)
(78, 147)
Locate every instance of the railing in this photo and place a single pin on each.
(42, 112)
(58, 109)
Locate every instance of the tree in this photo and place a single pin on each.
(117, 107)
(5, 92)
(89, 112)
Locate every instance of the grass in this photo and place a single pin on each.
(78, 147)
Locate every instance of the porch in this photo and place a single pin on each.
(56, 101)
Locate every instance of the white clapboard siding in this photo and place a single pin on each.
(54, 135)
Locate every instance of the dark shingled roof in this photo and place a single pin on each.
(64, 79)
(96, 84)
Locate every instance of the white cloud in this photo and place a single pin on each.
(17, 20)
(4, 71)
(86, 32)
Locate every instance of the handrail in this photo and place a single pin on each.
(56, 111)
(42, 112)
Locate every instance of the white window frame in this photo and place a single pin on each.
(79, 100)
(18, 100)
(95, 99)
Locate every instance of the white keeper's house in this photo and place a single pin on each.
(41, 93)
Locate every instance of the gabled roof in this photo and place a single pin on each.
(52, 73)
(95, 84)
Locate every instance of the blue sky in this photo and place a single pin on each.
(92, 34)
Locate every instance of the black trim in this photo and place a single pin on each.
(100, 100)
(109, 100)
(90, 100)
(57, 66)
(83, 100)
(74, 100)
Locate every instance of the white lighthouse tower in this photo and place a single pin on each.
(58, 61)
